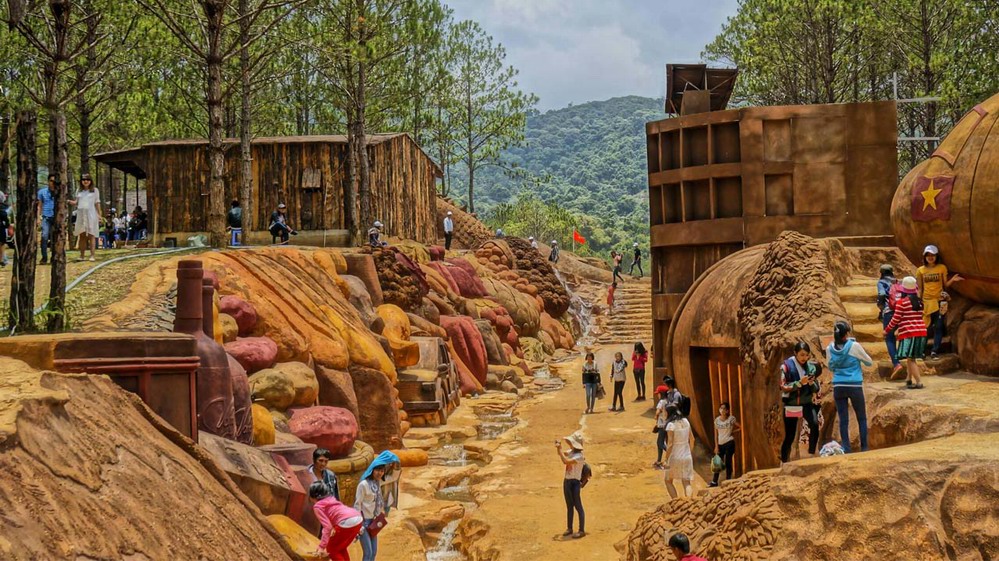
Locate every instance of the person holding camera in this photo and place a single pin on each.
(572, 483)
(799, 384)
(845, 357)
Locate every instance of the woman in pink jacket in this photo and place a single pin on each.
(341, 524)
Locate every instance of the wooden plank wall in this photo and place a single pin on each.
(309, 176)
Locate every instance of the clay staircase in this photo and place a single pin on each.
(631, 320)
(860, 298)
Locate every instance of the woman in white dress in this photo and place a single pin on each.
(88, 212)
(678, 451)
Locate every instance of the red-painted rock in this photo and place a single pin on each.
(337, 390)
(254, 353)
(214, 277)
(333, 428)
(444, 271)
(467, 341)
(241, 401)
(436, 253)
(379, 420)
(242, 311)
(469, 285)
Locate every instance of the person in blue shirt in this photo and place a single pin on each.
(46, 209)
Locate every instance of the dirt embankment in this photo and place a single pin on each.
(91, 473)
(929, 501)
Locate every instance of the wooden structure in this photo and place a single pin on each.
(159, 367)
(307, 173)
(720, 181)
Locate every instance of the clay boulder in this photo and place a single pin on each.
(468, 344)
(337, 390)
(379, 420)
(273, 389)
(333, 428)
(253, 353)
(242, 311)
(303, 379)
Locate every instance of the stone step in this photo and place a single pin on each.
(862, 313)
(862, 281)
(944, 364)
(869, 333)
(863, 294)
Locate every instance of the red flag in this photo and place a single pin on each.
(578, 237)
(931, 198)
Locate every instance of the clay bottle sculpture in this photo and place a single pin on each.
(214, 383)
(242, 412)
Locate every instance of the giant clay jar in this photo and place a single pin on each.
(952, 200)
(216, 414)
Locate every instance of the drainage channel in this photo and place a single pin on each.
(444, 550)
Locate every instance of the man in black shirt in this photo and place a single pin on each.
(235, 222)
(279, 225)
(637, 262)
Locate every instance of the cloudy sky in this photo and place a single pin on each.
(573, 51)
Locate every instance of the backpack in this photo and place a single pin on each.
(584, 478)
(683, 404)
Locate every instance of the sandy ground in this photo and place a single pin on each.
(521, 511)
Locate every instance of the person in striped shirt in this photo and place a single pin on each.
(910, 331)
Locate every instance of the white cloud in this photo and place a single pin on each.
(573, 51)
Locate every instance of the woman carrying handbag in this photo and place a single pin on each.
(371, 504)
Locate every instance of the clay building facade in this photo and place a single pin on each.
(722, 181)
(307, 173)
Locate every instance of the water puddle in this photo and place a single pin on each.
(495, 424)
(456, 455)
(462, 492)
(444, 550)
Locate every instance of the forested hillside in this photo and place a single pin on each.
(588, 159)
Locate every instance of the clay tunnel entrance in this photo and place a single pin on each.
(718, 372)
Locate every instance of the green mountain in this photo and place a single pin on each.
(591, 161)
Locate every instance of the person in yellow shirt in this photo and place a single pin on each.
(932, 277)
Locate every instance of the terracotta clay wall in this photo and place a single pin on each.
(725, 180)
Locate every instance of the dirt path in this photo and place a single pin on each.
(522, 504)
(520, 511)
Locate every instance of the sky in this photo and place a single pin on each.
(574, 51)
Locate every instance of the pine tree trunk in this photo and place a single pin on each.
(364, 167)
(245, 123)
(60, 225)
(22, 286)
(350, 190)
(5, 153)
(214, 14)
(82, 106)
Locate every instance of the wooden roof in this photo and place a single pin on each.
(130, 160)
(682, 77)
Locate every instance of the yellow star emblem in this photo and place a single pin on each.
(930, 196)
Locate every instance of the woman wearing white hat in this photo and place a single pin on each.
(572, 483)
(932, 279)
(911, 332)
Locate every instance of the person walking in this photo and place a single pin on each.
(911, 331)
(679, 443)
(279, 227)
(799, 384)
(619, 373)
(448, 231)
(340, 523)
(679, 546)
(887, 295)
(371, 504)
(572, 484)
(845, 358)
(46, 211)
(88, 212)
(639, 357)
(553, 256)
(534, 242)
(616, 258)
(637, 262)
(932, 279)
(726, 425)
(591, 380)
(234, 220)
(660, 428)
